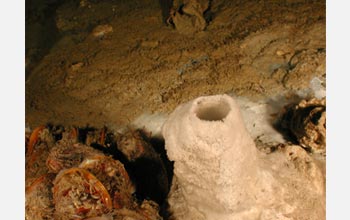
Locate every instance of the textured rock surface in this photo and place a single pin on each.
(188, 15)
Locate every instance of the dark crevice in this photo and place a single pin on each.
(41, 32)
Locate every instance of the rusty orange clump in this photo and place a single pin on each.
(102, 136)
(89, 177)
(74, 133)
(36, 182)
(34, 139)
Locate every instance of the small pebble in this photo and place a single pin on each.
(102, 30)
(76, 66)
(150, 44)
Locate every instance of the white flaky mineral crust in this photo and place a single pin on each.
(215, 158)
(219, 174)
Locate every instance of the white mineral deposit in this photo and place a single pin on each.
(219, 174)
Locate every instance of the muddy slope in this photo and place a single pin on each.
(249, 48)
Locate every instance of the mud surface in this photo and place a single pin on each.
(253, 49)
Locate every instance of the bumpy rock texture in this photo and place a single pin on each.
(307, 122)
(188, 15)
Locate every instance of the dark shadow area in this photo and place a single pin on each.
(159, 146)
(40, 30)
(209, 14)
(165, 5)
(279, 107)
